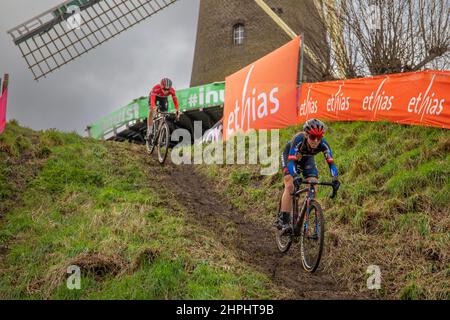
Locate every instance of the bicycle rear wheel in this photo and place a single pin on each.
(312, 237)
(163, 143)
(283, 238)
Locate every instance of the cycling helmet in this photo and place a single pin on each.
(166, 83)
(314, 127)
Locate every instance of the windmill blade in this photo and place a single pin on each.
(64, 33)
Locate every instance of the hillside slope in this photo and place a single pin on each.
(141, 231)
(66, 200)
(393, 209)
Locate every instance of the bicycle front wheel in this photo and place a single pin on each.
(163, 143)
(312, 236)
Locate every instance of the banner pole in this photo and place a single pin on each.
(300, 72)
(300, 62)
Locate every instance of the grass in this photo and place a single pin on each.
(88, 203)
(393, 207)
(66, 200)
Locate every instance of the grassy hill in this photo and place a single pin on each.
(67, 200)
(106, 207)
(393, 209)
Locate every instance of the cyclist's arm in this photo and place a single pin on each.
(327, 153)
(292, 157)
(174, 98)
(152, 99)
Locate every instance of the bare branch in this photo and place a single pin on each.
(371, 37)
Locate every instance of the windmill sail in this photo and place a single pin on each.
(64, 33)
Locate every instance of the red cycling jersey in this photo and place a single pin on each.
(158, 92)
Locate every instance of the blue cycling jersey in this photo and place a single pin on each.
(299, 147)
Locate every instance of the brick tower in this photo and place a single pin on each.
(233, 33)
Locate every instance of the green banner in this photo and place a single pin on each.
(136, 110)
(200, 97)
(189, 99)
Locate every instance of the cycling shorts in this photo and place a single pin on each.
(162, 103)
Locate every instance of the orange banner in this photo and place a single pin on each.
(263, 95)
(418, 98)
(3, 103)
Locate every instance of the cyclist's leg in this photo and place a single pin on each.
(150, 116)
(151, 112)
(286, 200)
(288, 181)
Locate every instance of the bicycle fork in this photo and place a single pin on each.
(306, 211)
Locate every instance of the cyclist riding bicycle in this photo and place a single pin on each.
(299, 154)
(158, 97)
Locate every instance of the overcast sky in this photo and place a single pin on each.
(106, 78)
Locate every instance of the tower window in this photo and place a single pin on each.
(238, 34)
(277, 10)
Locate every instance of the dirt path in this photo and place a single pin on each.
(254, 243)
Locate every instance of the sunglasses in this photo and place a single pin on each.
(315, 138)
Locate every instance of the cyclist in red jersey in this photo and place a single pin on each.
(158, 97)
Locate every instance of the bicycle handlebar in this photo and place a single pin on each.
(166, 113)
(330, 184)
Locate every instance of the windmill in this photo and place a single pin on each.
(62, 34)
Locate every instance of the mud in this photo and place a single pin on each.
(254, 244)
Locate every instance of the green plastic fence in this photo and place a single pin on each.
(196, 98)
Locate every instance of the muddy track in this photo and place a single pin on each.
(254, 243)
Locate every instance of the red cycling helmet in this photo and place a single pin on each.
(314, 127)
(166, 83)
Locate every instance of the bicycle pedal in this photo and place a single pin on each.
(286, 231)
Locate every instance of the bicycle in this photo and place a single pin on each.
(306, 225)
(160, 136)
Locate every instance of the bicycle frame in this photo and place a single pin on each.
(158, 117)
(296, 216)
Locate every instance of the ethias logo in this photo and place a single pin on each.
(309, 106)
(338, 102)
(378, 101)
(251, 108)
(426, 104)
